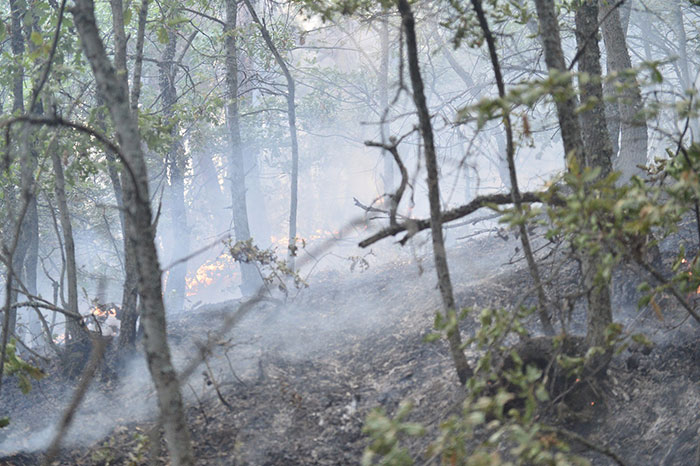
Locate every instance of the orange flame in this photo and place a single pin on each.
(208, 273)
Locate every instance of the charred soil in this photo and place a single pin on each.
(294, 385)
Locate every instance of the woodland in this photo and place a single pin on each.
(396, 232)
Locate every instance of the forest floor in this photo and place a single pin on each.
(294, 385)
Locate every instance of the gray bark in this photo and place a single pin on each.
(292, 121)
(596, 141)
(632, 124)
(426, 131)
(75, 326)
(687, 81)
(129, 310)
(180, 246)
(554, 58)
(383, 86)
(250, 277)
(157, 350)
(543, 313)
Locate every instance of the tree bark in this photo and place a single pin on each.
(129, 310)
(292, 120)
(180, 247)
(554, 58)
(75, 326)
(426, 130)
(383, 86)
(158, 356)
(543, 313)
(250, 277)
(632, 124)
(687, 81)
(598, 150)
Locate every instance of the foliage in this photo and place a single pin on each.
(498, 423)
(272, 269)
(25, 372)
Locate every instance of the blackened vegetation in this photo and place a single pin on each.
(307, 405)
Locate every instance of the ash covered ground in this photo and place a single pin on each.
(293, 384)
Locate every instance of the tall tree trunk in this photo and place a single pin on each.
(383, 85)
(129, 310)
(180, 247)
(17, 10)
(250, 277)
(598, 296)
(141, 229)
(687, 81)
(545, 320)
(292, 121)
(632, 124)
(596, 140)
(426, 131)
(554, 58)
(75, 325)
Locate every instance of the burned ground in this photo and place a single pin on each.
(299, 382)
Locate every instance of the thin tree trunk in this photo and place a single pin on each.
(129, 310)
(250, 277)
(175, 285)
(75, 326)
(158, 356)
(632, 124)
(545, 320)
(596, 140)
(292, 120)
(439, 252)
(383, 85)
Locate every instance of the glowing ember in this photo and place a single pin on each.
(690, 274)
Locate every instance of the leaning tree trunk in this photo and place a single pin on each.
(160, 365)
(426, 131)
(250, 277)
(543, 313)
(596, 140)
(292, 121)
(632, 124)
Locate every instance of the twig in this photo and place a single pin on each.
(584, 441)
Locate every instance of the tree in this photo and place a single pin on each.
(236, 169)
(628, 118)
(464, 371)
(158, 356)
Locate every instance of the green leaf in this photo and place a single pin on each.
(36, 38)
(127, 16)
(4, 422)
(162, 35)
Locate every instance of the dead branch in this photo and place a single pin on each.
(414, 226)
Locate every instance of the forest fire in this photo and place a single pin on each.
(213, 273)
(104, 318)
